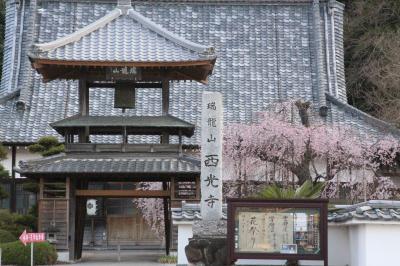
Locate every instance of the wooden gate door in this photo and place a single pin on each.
(130, 230)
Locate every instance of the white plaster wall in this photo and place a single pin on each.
(381, 245)
(357, 245)
(338, 246)
(184, 233)
(361, 244)
(22, 155)
(338, 251)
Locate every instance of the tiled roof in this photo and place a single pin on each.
(133, 124)
(114, 163)
(122, 35)
(266, 54)
(345, 115)
(373, 210)
(191, 212)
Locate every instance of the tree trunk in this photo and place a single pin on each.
(303, 112)
(302, 170)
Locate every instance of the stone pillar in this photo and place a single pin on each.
(211, 156)
(208, 245)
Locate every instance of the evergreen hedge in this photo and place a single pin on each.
(6, 237)
(16, 223)
(47, 146)
(15, 253)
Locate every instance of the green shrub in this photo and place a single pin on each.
(33, 211)
(4, 172)
(36, 148)
(6, 237)
(54, 150)
(7, 223)
(16, 223)
(31, 187)
(15, 253)
(26, 221)
(3, 152)
(48, 142)
(47, 146)
(308, 190)
(3, 193)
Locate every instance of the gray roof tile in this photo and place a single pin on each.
(373, 210)
(265, 54)
(345, 115)
(114, 163)
(124, 36)
(191, 212)
(9, 46)
(103, 124)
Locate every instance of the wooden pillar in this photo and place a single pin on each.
(40, 202)
(324, 215)
(41, 188)
(80, 220)
(124, 136)
(172, 189)
(77, 213)
(69, 137)
(93, 238)
(165, 140)
(165, 107)
(13, 185)
(83, 98)
(167, 221)
(71, 184)
(180, 142)
(84, 108)
(165, 97)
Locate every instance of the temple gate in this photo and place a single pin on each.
(126, 52)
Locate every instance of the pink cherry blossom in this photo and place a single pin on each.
(280, 139)
(279, 147)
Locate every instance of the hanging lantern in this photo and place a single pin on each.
(91, 207)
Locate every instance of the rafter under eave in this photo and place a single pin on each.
(197, 72)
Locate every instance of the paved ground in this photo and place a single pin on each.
(128, 257)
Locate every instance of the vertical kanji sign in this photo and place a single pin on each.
(211, 156)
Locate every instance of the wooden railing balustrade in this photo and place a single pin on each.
(101, 147)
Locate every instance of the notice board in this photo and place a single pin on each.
(277, 229)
